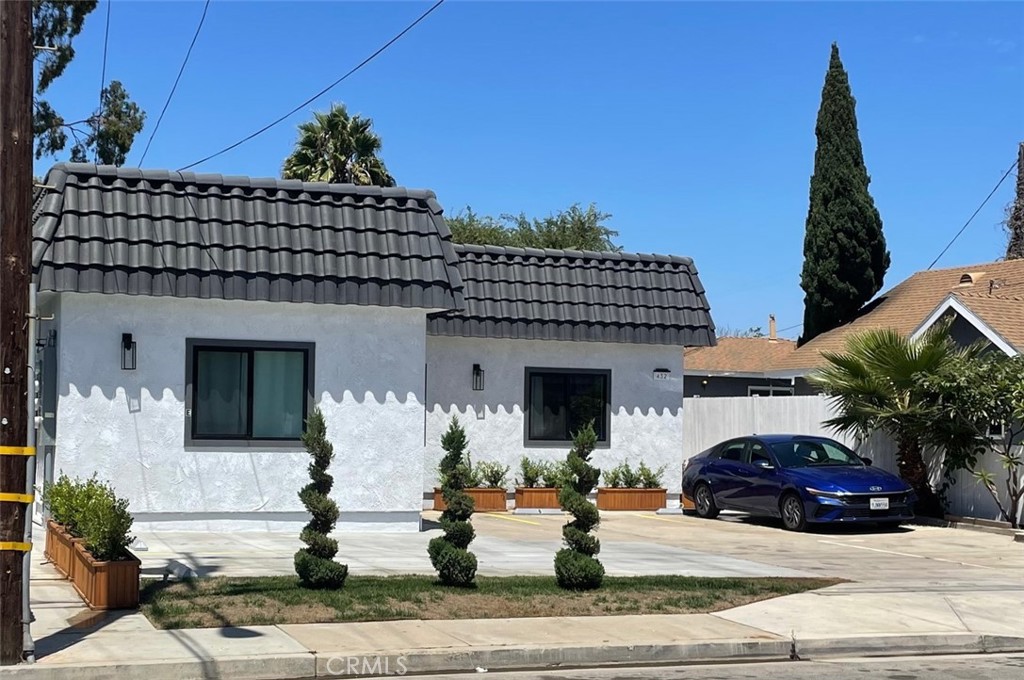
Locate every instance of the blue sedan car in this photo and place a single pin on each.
(801, 479)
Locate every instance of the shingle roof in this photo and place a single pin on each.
(573, 295)
(144, 232)
(907, 305)
(738, 355)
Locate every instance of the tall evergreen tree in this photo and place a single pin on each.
(455, 565)
(576, 568)
(845, 258)
(1015, 215)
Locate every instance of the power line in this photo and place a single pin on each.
(973, 215)
(174, 87)
(319, 94)
(103, 69)
(789, 328)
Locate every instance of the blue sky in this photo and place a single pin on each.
(691, 123)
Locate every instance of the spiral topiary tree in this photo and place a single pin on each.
(455, 565)
(315, 563)
(576, 568)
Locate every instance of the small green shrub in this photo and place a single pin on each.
(576, 571)
(556, 475)
(492, 474)
(623, 476)
(650, 479)
(60, 497)
(576, 568)
(104, 522)
(448, 554)
(530, 472)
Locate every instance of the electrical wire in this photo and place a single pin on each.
(319, 94)
(174, 87)
(974, 214)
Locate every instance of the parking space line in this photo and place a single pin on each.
(510, 519)
(903, 554)
(661, 519)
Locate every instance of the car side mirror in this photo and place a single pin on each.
(866, 461)
(765, 465)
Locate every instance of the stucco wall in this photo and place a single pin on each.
(646, 414)
(128, 426)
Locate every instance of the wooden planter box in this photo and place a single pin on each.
(537, 497)
(60, 548)
(630, 499)
(106, 585)
(485, 500)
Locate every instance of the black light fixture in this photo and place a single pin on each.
(478, 378)
(127, 352)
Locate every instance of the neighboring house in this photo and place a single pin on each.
(192, 321)
(983, 302)
(741, 367)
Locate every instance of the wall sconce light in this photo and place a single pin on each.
(127, 352)
(478, 378)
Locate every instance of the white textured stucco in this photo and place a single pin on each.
(646, 417)
(128, 426)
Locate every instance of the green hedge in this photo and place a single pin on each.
(90, 510)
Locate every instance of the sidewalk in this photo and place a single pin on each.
(848, 619)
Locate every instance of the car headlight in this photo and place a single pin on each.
(827, 494)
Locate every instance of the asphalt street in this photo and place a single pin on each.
(973, 667)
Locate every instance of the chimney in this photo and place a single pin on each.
(772, 335)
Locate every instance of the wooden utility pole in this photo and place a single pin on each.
(15, 276)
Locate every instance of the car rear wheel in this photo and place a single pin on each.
(792, 510)
(704, 500)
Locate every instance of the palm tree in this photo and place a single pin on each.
(876, 385)
(336, 147)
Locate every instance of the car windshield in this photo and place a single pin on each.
(813, 453)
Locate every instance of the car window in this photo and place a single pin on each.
(733, 451)
(813, 453)
(758, 455)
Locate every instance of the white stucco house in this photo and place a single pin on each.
(192, 321)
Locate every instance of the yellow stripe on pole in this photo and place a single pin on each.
(16, 497)
(15, 545)
(17, 450)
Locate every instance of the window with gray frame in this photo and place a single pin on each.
(561, 401)
(239, 392)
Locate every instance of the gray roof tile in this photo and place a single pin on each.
(102, 229)
(573, 295)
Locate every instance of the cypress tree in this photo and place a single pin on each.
(315, 563)
(455, 565)
(576, 568)
(845, 258)
(1015, 217)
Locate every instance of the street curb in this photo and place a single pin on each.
(303, 666)
(952, 522)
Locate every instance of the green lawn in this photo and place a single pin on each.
(216, 601)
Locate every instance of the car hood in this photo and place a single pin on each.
(850, 478)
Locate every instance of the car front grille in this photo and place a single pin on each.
(859, 507)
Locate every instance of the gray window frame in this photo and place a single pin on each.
(773, 391)
(563, 443)
(192, 345)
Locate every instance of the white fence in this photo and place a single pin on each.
(710, 420)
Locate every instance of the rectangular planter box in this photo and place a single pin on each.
(485, 500)
(537, 497)
(60, 548)
(106, 585)
(631, 499)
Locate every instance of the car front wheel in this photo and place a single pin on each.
(792, 510)
(704, 500)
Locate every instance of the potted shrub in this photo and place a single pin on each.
(89, 542)
(539, 484)
(485, 484)
(632, 489)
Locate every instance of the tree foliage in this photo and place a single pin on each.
(875, 384)
(574, 228)
(576, 568)
(455, 565)
(339, 148)
(845, 257)
(315, 563)
(106, 134)
(1015, 214)
(981, 407)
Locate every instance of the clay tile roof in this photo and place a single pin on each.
(738, 355)
(994, 291)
